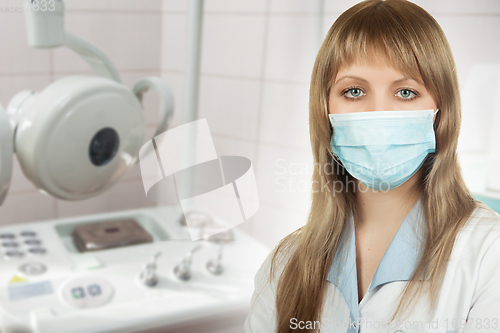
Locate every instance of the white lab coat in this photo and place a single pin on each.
(469, 300)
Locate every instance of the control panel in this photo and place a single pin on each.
(48, 283)
(21, 244)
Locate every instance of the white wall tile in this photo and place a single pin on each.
(128, 195)
(114, 5)
(270, 224)
(235, 6)
(230, 105)
(473, 39)
(232, 147)
(94, 205)
(66, 62)
(26, 207)
(131, 41)
(432, 6)
(291, 48)
(233, 45)
(225, 146)
(284, 177)
(285, 115)
(174, 5)
(328, 21)
(176, 83)
(173, 42)
(339, 6)
(479, 110)
(295, 6)
(16, 56)
(232, 6)
(123, 195)
(19, 182)
(460, 6)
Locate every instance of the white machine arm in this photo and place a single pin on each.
(97, 60)
(166, 99)
(6, 155)
(46, 30)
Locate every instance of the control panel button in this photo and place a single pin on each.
(37, 251)
(13, 254)
(94, 289)
(28, 233)
(10, 244)
(32, 268)
(32, 242)
(87, 292)
(7, 235)
(78, 292)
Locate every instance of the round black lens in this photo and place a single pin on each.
(103, 146)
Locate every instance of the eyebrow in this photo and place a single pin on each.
(363, 80)
(350, 77)
(405, 79)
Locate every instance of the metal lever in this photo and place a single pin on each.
(215, 266)
(183, 269)
(148, 274)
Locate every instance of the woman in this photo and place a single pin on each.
(394, 241)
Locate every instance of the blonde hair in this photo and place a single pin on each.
(411, 39)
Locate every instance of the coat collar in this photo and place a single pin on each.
(397, 264)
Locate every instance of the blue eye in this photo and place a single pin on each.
(406, 94)
(354, 93)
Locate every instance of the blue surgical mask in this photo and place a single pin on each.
(383, 149)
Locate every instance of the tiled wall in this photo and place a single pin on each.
(256, 62)
(257, 56)
(255, 67)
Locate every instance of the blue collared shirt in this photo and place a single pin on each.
(467, 302)
(397, 264)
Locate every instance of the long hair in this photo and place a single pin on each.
(411, 39)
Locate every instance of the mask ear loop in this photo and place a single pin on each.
(436, 111)
(335, 158)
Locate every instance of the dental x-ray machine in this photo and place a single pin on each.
(129, 271)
